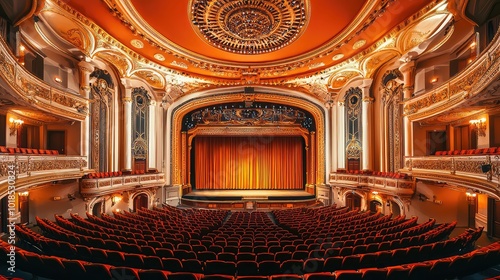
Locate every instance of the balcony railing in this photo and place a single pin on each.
(479, 171)
(378, 183)
(462, 87)
(25, 170)
(102, 186)
(38, 93)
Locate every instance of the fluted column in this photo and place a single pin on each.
(152, 135)
(408, 71)
(341, 135)
(367, 126)
(85, 69)
(127, 126)
(334, 136)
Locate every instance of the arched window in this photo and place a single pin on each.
(140, 115)
(353, 128)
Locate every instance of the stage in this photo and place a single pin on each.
(249, 199)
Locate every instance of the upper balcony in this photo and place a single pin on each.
(30, 90)
(473, 86)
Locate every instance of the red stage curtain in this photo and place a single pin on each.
(248, 163)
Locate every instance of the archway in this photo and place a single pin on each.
(140, 201)
(353, 200)
(375, 206)
(97, 209)
(395, 209)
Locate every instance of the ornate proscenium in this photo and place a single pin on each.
(249, 26)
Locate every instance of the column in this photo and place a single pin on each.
(408, 136)
(127, 126)
(85, 70)
(341, 135)
(312, 149)
(408, 71)
(367, 126)
(152, 135)
(334, 131)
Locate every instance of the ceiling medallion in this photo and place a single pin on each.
(338, 56)
(159, 57)
(137, 44)
(358, 44)
(249, 26)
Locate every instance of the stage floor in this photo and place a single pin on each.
(254, 195)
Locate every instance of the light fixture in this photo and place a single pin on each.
(25, 193)
(471, 196)
(14, 125)
(479, 126)
(374, 192)
(434, 80)
(115, 199)
(58, 80)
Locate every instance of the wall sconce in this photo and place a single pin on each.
(58, 80)
(14, 125)
(471, 196)
(479, 126)
(26, 193)
(434, 80)
(374, 192)
(115, 200)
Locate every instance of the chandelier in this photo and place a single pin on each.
(249, 26)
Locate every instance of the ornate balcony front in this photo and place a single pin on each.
(387, 185)
(110, 185)
(38, 93)
(22, 171)
(477, 171)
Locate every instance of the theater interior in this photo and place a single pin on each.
(249, 139)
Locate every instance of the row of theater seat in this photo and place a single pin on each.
(189, 250)
(483, 151)
(443, 268)
(394, 175)
(29, 151)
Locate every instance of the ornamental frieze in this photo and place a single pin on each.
(467, 166)
(7, 69)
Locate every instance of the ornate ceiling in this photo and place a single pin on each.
(185, 46)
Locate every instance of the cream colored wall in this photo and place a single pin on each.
(72, 136)
(482, 211)
(43, 205)
(445, 204)
(420, 137)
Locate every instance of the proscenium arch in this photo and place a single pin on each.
(180, 108)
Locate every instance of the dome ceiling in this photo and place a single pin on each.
(247, 41)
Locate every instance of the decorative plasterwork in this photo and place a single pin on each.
(224, 74)
(249, 27)
(457, 170)
(463, 89)
(36, 92)
(153, 78)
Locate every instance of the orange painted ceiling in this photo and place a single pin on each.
(333, 28)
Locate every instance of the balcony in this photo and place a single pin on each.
(380, 183)
(21, 170)
(114, 184)
(27, 87)
(477, 171)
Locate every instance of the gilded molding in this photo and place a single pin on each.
(37, 92)
(176, 163)
(461, 88)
